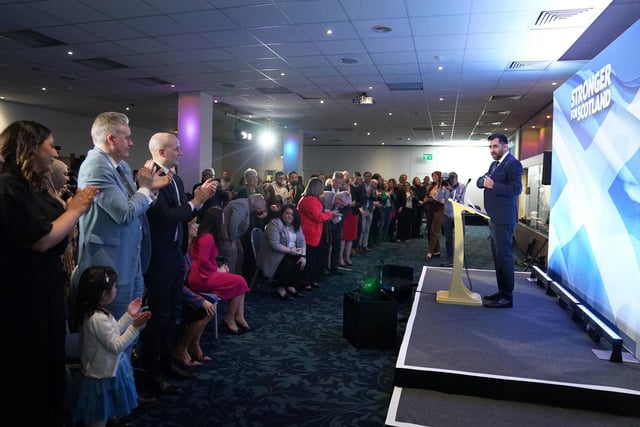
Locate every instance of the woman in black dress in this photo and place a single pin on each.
(33, 236)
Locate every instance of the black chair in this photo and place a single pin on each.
(256, 240)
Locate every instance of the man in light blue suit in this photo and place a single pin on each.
(114, 231)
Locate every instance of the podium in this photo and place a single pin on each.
(458, 293)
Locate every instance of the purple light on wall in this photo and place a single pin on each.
(189, 125)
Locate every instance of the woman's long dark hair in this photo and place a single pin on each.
(211, 222)
(93, 283)
(17, 144)
(296, 216)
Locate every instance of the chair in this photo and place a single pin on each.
(256, 241)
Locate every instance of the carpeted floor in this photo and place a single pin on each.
(295, 368)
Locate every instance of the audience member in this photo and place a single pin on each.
(197, 312)
(451, 189)
(164, 279)
(312, 217)
(435, 211)
(280, 187)
(406, 208)
(240, 217)
(34, 227)
(282, 254)
(388, 202)
(295, 187)
(420, 194)
(250, 185)
(105, 388)
(366, 197)
(335, 226)
(207, 276)
(115, 232)
(220, 197)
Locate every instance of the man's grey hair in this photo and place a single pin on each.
(105, 124)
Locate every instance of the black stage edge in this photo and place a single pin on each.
(533, 353)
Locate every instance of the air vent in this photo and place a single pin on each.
(528, 65)
(150, 81)
(31, 38)
(309, 98)
(278, 90)
(559, 18)
(422, 128)
(100, 64)
(405, 86)
(505, 98)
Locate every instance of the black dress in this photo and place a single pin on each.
(33, 303)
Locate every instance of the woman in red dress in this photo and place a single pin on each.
(207, 276)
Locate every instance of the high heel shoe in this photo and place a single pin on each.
(229, 330)
(283, 295)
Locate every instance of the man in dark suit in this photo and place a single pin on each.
(502, 185)
(168, 218)
(335, 228)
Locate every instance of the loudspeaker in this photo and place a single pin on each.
(370, 321)
(546, 168)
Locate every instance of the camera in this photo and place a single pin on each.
(446, 182)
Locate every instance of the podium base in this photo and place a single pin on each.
(468, 298)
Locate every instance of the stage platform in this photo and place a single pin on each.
(462, 365)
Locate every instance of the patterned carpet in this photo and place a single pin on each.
(295, 368)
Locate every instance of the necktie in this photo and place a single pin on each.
(125, 181)
(493, 167)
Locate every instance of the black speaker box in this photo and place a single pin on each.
(370, 321)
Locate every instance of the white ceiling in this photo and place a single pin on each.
(499, 59)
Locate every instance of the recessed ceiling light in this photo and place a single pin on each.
(440, 99)
(172, 85)
(370, 87)
(43, 88)
(322, 101)
(329, 31)
(355, 123)
(368, 133)
(381, 29)
(554, 83)
(440, 68)
(70, 52)
(282, 74)
(382, 143)
(391, 114)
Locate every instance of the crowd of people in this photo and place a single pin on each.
(167, 249)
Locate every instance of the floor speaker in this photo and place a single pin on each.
(370, 321)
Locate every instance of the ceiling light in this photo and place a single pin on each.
(440, 68)
(70, 52)
(329, 31)
(43, 88)
(322, 101)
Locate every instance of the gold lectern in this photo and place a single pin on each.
(458, 292)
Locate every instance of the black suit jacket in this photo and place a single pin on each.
(165, 216)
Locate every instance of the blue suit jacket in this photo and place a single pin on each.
(501, 201)
(115, 228)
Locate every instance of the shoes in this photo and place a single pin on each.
(429, 256)
(192, 362)
(349, 263)
(342, 264)
(120, 422)
(161, 385)
(492, 297)
(177, 373)
(284, 296)
(366, 249)
(244, 328)
(293, 292)
(145, 400)
(202, 358)
(229, 330)
(501, 303)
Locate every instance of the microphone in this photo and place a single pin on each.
(468, 181)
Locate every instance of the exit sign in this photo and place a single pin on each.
(427, 157)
